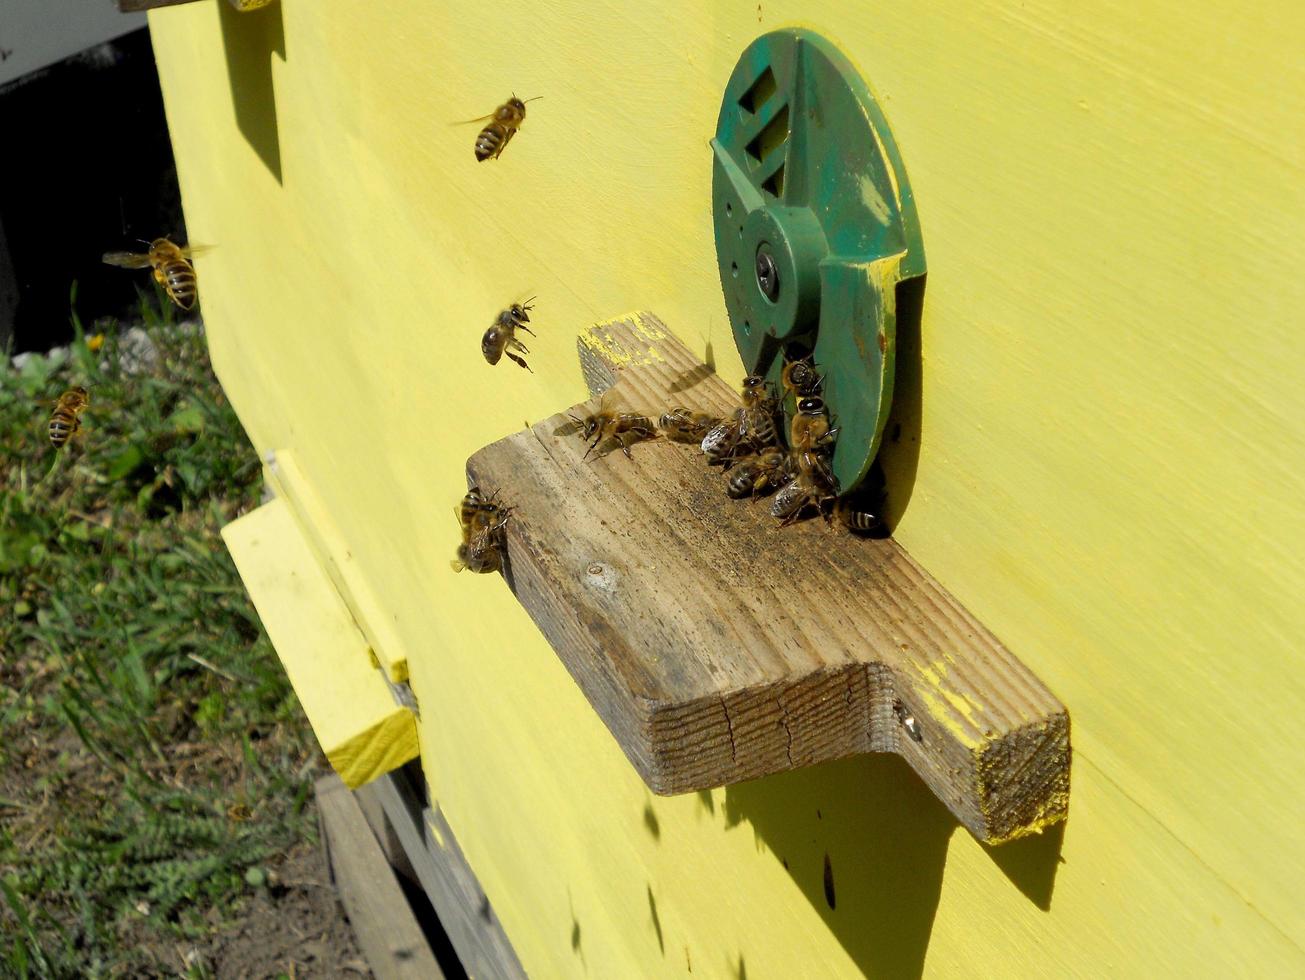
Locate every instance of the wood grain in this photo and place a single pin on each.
(719, 647)
(383, 922)
(447, 879)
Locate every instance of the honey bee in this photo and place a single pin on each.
(790, 500)
(755, 476)
(813, 482)
(682, 425)
(482, 523)
(505, 121)
(857, 520)
(501, 338)
(473, 504)
(66, 417)
(757, 416)
(750, 429)
(803, 490)
(171, 265)
(800, 379)
(719, 442)
(607, 423)
(810, 426)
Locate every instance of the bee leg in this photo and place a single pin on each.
(519, 361)
(522, 326)
(518, 345)
(503, 145)
(792, 517)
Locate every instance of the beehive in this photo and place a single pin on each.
(1110, 467)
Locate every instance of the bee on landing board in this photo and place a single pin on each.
(683, 425)
(855, 519)
(66, 418)
(472, 504)
(800, 379)
(810, 426)
(503, 125)
(749, 430)
(482, 521)
(813, 483)
(757, 417)
(765, 471)
(171, 265)
(608, 423)
(501, 338)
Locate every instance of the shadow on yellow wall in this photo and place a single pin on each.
(866, 842)
(249, 40)
(899, 453)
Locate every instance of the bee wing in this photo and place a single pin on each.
(190, 251)
(468, 122)
(617, 403)
(126, 260)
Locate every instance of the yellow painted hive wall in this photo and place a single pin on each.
(1111, 475)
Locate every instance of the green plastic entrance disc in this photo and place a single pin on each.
(815, 227)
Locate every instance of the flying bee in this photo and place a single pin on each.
(171, 265)
(501, 338)
(607, 423)
(67, 415)
(800, 379)
(768, 469)
(505, 121)
(682, 425)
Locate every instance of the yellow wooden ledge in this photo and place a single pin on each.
(363, 732)
(283, 474)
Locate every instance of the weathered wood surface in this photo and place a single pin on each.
(383, 922)
(718, 646)
(447, 879)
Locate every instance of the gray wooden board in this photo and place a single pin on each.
(447, 879)
(718, 646)
(382, 920)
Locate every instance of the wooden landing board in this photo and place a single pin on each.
(383, 922)
(363, 731)
(719, 647)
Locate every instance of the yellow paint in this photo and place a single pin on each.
(596, 339)
(363, 733)
(873, 199)
(1110, 471)
(385, 649)
(935, 675)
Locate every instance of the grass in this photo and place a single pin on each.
(154, 762)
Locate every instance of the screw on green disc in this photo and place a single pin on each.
(815, 227)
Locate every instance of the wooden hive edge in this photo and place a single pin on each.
(999, 763)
